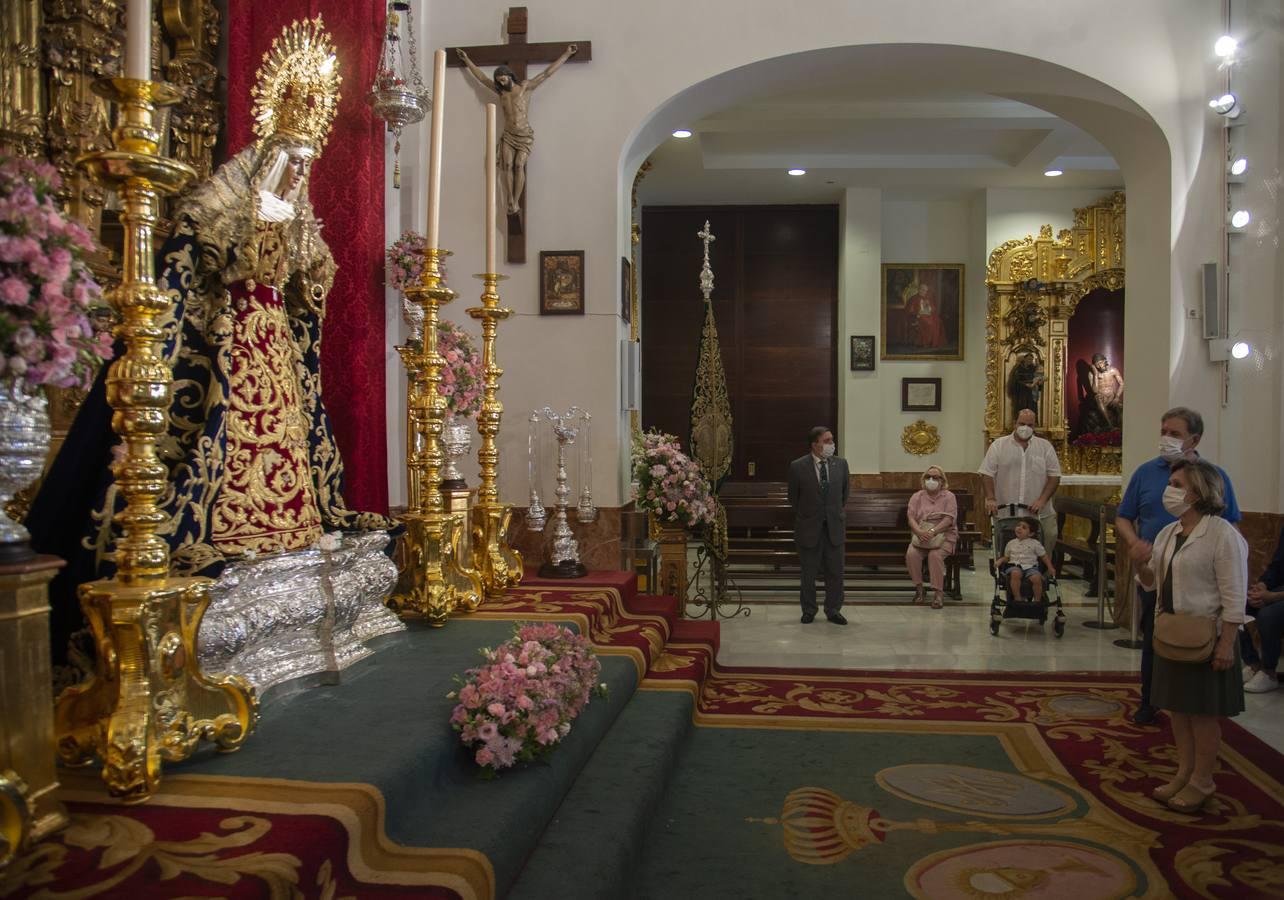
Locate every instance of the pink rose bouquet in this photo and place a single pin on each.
(46, 288)
(405, 261)
(461, 377)
(520, 704)
(669, 483)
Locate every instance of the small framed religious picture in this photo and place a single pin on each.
(862, 353)
(920, 395)
(561, 282)
(626, 290)
(922, 311)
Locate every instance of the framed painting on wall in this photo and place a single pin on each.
(561, 282)
(922, 311)
(862, 353)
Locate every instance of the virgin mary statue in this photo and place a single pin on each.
(252, 464)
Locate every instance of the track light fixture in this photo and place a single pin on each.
(1226, 105)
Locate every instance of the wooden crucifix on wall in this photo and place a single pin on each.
(513, 90)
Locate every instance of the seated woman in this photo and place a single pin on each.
(1021, 558)
(1198, 566)
(1266, 606)
(933, 521)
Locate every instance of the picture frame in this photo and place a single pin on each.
(922, 311)
(920, 395)
(862, 352)
(561, 282)
(626, 290)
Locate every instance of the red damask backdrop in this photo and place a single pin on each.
(347, 191)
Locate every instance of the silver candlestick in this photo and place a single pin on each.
(536, 515)
(586, 512)
(562, 553)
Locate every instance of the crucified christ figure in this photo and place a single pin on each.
(518, 137)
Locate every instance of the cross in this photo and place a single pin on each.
(706, 273)
(517, 54)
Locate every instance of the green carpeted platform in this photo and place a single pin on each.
(386, 725)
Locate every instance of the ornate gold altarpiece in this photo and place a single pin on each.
(1034, 285)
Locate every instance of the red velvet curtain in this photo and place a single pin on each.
(347, 191)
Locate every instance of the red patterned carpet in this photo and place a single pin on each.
(243, 843)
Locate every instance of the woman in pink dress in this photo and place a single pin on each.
(933, 521)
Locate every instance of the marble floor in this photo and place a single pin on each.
(885, 634)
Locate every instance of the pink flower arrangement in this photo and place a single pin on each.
(46, 289)
(520, 704)
(1099, 439)
(461, 377)
(405, 260)
(669, 483)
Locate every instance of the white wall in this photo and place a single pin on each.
(1140, 86)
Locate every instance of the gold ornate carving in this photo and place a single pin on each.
(22, 106)
(635, 250)
(1020, 320)
(920, 438)
(498, 565)
(195, 120)
(148, 700)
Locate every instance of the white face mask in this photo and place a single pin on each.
(826, 451)
(1171, 448)
(1024, 432)
(932, 484)
(1175, 501)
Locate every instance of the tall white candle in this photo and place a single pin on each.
(138, 40)
(434, 160)
(490, 188)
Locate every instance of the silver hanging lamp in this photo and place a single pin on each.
(398, 95)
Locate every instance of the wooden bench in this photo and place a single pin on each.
(1085, 552)
(761, 538)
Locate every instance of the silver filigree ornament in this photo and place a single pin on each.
(398, 95)
(24, 444)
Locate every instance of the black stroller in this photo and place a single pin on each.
(1005, 605)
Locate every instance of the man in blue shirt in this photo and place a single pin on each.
(1141, 516)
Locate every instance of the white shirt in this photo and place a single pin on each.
(1210, 571)
(1020, 473)
(1024, 553)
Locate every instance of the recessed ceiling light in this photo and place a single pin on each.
(682, 133)
(1225, 46)
(797, 171)
(1053, 173)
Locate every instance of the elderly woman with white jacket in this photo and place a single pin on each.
(1200, 564)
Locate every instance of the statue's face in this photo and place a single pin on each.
(1103, 364)
(503, 82)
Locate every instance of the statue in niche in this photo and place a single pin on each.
(1025, 385)
(1102, 408)
(518, 138)
(250, 462)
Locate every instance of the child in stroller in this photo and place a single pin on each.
(1024, 573)
(1021, 558)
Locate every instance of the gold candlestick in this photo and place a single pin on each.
(437, 580)
(499, 565)
(148, 699)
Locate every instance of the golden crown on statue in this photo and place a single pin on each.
(296, 90)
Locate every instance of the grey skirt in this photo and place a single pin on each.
(1197, 688)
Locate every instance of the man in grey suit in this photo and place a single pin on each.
(818, 487)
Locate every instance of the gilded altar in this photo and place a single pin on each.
(1035, 285)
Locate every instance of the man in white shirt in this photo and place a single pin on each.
(1022, 468)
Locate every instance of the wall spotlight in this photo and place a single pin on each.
(797, 171)
(682, 133)
(1240, 349)
(1226, 105)
(1225, 46)
(1240, 218)
(1225, 349)
(1053, 173)
(1239, 166)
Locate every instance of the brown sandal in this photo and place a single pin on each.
(937, 603)
(919, 596)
